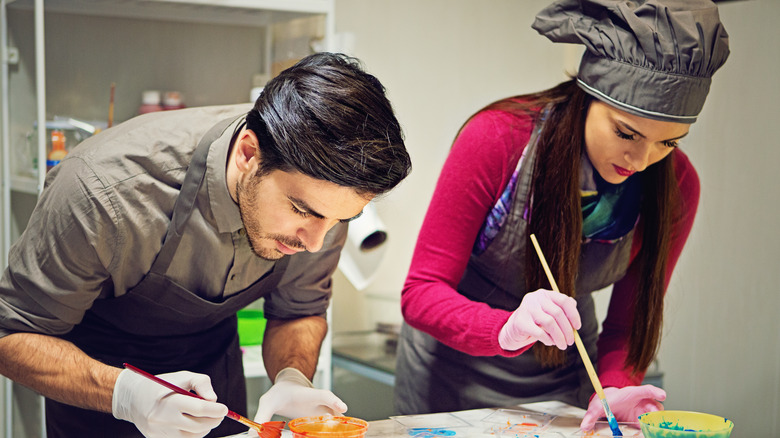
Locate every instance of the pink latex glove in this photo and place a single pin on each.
(546, 316)
(627, 404)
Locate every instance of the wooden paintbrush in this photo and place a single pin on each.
(270, 429)
(594, 378)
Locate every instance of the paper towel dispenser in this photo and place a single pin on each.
(364, 248)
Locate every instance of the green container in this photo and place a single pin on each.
(251, 327)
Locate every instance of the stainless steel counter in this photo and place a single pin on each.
(372, 355)
(368, 353)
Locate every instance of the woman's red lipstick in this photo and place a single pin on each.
(623, 172)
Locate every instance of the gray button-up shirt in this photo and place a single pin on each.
(103, 215)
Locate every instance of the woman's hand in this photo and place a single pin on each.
(627, 404)
(546, 316)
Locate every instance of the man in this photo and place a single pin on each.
(151, 235)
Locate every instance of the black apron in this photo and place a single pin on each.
(160, 327)
(432, 377)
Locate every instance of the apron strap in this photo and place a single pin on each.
(185, 202)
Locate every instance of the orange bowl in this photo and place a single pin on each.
(328, 426)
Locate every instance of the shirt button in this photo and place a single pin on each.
(241, 232)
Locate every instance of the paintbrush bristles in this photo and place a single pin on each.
(270, 429)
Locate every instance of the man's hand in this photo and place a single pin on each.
(159, 412)
(293, 396)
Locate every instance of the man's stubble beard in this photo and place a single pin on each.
(247, 200)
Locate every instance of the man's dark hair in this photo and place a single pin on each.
(328, 119)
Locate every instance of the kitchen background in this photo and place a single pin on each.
(441, 60)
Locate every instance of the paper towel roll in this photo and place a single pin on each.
(364, 248)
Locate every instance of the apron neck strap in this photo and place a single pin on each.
(185, 202)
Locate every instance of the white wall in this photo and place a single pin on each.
(441, 60)
(721, 349)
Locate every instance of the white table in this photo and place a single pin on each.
(564, 423)
(566, 420)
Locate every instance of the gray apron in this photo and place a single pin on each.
(160, 327)
(432, 377)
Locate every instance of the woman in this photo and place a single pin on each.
(593, 169)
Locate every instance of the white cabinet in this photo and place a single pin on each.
(60, 57)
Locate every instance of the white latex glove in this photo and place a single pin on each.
(546, 316)
(293, 396)
(159, 412)
(627, 404)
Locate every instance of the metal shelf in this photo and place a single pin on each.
(233, 12)
(24, 184)
(248, 13)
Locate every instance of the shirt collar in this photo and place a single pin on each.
(225, 210)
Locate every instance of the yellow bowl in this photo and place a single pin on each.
(684, 424)
(328, 426)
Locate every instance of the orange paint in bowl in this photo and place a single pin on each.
(328, 426)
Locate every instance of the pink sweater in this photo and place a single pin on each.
(477, 170)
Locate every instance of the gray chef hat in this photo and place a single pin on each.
(652, 58)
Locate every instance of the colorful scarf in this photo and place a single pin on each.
(609, 211)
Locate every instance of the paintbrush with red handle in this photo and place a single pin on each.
(269, 429)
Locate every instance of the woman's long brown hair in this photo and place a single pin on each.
(556, 216)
